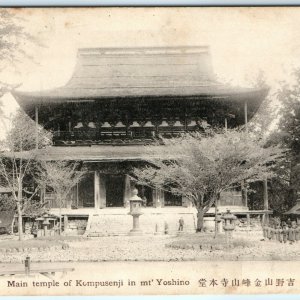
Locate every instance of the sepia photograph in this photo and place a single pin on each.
(149, 150)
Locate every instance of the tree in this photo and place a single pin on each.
(200, 168)
(266, 114)
(15, 42)
(16, 45)
(15, 48)
(288, 134)
(61, 176)
(18, 162)
(289, 125)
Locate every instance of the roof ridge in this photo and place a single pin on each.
(144, 50)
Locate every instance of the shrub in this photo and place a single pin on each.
(205, 242)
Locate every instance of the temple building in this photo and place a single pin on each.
(117, 101)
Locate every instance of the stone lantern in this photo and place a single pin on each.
(218, 222)
(135, 212)
(228, 226)
(46, 223)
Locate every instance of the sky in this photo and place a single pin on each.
(242, 41)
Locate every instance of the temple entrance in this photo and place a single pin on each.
(86, 191)
(146, 193)
(115, 190)
(172, 200)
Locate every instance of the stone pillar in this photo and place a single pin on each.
(97, 190)
(136, 212)
(127, 191)
(248, 221)
(136, 225)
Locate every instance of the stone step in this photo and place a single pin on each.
(104, 224)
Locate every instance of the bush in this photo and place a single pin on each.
(7, 203)
(206, 242)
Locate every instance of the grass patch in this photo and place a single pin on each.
(34, 243)
(39, 244)
(63, 238)
(204, 242)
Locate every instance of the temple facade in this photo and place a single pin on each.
(119, 100)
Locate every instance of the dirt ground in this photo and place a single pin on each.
(153, 248)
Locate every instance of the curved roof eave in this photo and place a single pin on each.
(55, 96)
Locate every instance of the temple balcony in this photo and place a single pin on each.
(113, 136)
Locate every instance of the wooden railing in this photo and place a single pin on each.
(111, 136)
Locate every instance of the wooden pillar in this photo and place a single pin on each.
(244, 193)
(246, 115)
(36, 127)
(127, 191)
(266, 200)
(186, 202)
(162, 198)
(216, 219)
(96, 190)
(102, 184)
(77, 195)
(155, 197)
(42, 194)
(225, 123)
(158, 197)
(66, 223)
(246, 196)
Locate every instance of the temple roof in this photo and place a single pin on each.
(137, 72)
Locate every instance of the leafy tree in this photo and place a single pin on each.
(289, 125)
(200, 168)
(7, 203)
(18, 162)
(61, 176)
(263, 119)
(15, 41)
(15, 47)
(288, 135)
